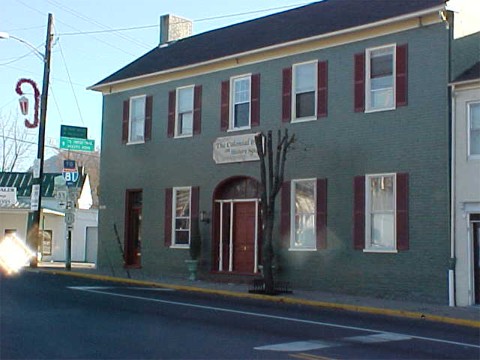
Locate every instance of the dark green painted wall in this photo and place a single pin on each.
(411, 139)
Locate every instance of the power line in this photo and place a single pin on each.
(49, 146)
(56, 103)
(18, 58)
(71, 85)
(72, 27)
(109, 31)
(35, 73)
(195, 20)
(25, 29)
(92, 21)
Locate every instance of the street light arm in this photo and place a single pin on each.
(5, 35)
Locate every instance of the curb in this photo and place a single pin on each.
(276, 299)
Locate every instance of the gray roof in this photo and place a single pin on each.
(472, 73)
(311, 20)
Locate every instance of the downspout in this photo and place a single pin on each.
(451, 267)
(449, 17)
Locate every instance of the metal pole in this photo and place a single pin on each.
(68, 262)
(34, 231)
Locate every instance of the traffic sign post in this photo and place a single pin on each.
(69, 221)
(60, 191)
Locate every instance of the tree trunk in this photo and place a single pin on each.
(269, 187)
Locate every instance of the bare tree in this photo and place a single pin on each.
(271, 184)
(89, 161)
(14, 144)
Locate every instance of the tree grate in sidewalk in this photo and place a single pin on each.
(280, 287)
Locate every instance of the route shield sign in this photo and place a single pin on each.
(70, 173)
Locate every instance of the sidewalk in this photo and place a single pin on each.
(464, 316)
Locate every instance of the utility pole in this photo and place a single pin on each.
(34, 231)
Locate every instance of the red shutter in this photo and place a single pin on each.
(148, 118)
(197, 109)
(195, 202)
(322, 83)
(287, 95)
(125, 120)
(321, 213)
(171, 113)
(168, 217)
(402, 212)
(225, 108)
(359, 85)
(285, 215)
(359, 213)
(401, 77)
(255, 120)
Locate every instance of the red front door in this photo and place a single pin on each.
(476, 259)
(133, 226)
(244, 226)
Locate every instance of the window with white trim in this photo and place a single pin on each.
(380, 211)
(380, 78)
(136, 124)
(241, 102)
(181, 216)
(184, 112)
(474, 129)
(304, 199)
(304, 91)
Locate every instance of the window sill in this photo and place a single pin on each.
(135, 142)
(302, 249)
(382, 251)
(305, 119)
(368, 111)
(183, 136)
(239, 129)
(473, 157)
(186, 247)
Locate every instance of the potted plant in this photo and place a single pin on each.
(195, 249)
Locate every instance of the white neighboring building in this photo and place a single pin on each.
(15, 218)
(466, 185)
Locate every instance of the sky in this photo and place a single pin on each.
(86, 49)
(95, 38)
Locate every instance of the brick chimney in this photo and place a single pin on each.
(174, 28)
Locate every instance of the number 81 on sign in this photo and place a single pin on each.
(70, 177)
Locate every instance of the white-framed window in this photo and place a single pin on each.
(181, 216)
(474, 130)
(136, 124)
(303, 212)
(240, 102)
(304, 86)
(380, 78)
(184, 111)
(380, 213)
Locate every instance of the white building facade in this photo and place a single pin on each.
(466, 186)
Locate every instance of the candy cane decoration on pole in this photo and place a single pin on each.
(36, 93)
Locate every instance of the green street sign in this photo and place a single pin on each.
(73, 132)
(73, 144)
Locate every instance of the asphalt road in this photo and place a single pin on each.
(47, 316)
